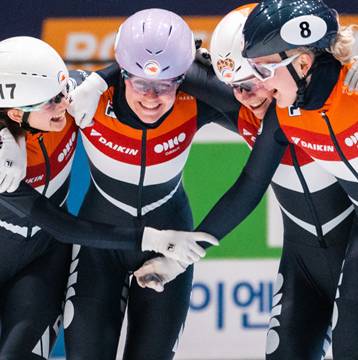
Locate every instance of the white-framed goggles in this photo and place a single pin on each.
(160, 87)
(267, 71)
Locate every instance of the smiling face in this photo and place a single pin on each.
(150, 105)
(257, 100)
(50, 116)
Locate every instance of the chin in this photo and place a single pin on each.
(150, 119)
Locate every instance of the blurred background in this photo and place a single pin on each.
(233, 286)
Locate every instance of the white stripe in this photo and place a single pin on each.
(339, 169)
(118, 170)
(162, 173)
(315, 177)
(46, 343)
(22, 230)
(330, 225)
(326, 228)
(58, 180)
(214, 133)
(131, 209)
(114, 169)
(16, 229)
(355, 202)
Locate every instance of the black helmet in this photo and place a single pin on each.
(275, 26)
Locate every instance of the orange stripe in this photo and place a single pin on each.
(51, 141)
(184, 110)
(342, 110)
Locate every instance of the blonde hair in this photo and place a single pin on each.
(342, 48)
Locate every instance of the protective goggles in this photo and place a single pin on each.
(159, 87)
(248, 85)
(267, 71)
(48, 103)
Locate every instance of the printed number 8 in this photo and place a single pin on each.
(305, 29)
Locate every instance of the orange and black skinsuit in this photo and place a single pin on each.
(136, 173)
(33, 265)
(317, 217)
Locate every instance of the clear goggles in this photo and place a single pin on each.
(159, 87)
(267, 71)
(48, 104)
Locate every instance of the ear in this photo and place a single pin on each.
(305, 62)
(15, 115)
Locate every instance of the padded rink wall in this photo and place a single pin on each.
(233, 287)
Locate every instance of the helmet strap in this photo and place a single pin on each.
(300, 82)
(25, 123)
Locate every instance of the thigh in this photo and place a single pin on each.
(345, 315)
(32, 305)
(302, 309)
(95, 304)
(155, 320)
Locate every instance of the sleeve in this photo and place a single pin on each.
(202, 83)
(243, 197)
(77, 77)
(27, 203)
(208, 114)
(110, 74)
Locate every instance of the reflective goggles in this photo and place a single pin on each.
(267, 71)
(159, 87)
(48, 103)
(247, 85)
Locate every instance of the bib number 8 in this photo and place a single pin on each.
(305, 29)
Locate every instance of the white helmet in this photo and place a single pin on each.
(31, 72)
(226, 45)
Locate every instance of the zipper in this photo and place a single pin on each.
(307, 194)
(47, 176)
(47, 164)
(337, 146)
(143, 161)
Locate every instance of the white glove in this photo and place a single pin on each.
(351, 80)
(178, 245)
(157, 272)
(13, 161)
(84, 100)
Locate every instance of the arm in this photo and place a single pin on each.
(242, 198)
(27, 203)
(64, 227)
(202, 83)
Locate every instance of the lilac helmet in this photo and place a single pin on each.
(155, 44)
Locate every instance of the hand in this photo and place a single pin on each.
(13, 161)
(157, 272)
(202, 55)
(178, 245)
(351, 80)
(85, 98)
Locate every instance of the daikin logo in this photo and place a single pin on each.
(315, 147)
(112, 145)
(170, 144)
(95, 133)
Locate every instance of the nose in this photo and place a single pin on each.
(267, 85)
(151, 93)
